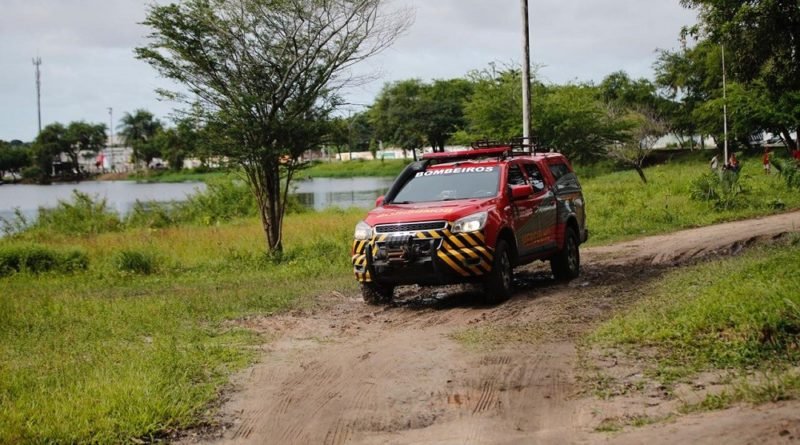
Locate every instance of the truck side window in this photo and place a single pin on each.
(559, 170)
(515, 175)
(535, 177)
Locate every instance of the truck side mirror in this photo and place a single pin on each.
(379, 201)
(521, 192)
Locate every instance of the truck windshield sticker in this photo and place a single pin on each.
(455, 171)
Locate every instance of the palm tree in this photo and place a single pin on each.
(137, 131)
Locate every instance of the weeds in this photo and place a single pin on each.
(725, 189)
(136, 261)
(38, 259)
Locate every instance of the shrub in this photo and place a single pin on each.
(223, 200)
(789, 171)
(39, 259)
(153, 215)
(81, 216)
(724, 190)
(136, 261)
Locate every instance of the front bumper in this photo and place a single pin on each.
(424, 257)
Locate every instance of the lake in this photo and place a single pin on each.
(318, 193)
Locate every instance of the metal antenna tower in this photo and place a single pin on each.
(37, 62)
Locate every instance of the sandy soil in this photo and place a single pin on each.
(348, 373)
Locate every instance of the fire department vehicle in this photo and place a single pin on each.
(472, 217)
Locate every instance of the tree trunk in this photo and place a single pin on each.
(791, 144)
(641, 173)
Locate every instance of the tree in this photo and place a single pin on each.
(12, 159)
(493, 110)
(399, 112)
(138, 131)
(574, 120)
(762, 41)
(266, 73)
(81, 137)
(645, 128)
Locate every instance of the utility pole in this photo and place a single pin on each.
(37, 62)
(725, 103)
(526, 76)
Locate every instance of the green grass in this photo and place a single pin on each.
(739, 314)
(620, 207)
(108, 356)
(350, 169)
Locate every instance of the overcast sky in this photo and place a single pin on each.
(86, 48)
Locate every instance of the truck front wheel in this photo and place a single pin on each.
(499, 284)
(377, 294)
(566, 264)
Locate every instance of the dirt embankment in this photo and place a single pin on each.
(349, 373)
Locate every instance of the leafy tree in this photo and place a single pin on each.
(574, 120)
(494, 109)
(266, 74)
(399, 114)
(645, 128)
(12, 159)
(762, 40)
(444, 110)
(138, 131)
(82, 137)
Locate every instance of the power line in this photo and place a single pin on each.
(37, 62)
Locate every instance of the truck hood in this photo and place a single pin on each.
(429, 211)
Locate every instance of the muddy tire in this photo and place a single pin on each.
(499, 284)
(566, 264)
(377, 294)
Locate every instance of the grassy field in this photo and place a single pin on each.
(109, 355)
(740, 314)
(620, 207)
(140, 342)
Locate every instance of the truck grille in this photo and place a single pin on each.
(412, 227)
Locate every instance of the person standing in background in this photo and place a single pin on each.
(767, 166)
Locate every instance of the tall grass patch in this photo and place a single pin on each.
(742, 313)
(108, 357)
(32, 258)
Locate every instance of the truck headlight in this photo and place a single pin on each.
(363, 231)
(471, 223)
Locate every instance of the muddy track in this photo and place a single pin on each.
(348, 373)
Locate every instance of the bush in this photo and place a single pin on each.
(39, 259)
(153, 215)
(789, 171)
(724, 190)
(81, 216)
(223, 200)
(136, 261)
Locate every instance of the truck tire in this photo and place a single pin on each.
(566, 264)
(377, 294)
(499, 284)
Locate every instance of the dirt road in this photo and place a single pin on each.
(348, 373)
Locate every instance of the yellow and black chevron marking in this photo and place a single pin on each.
(360, 261)
(464, 253)
(459, 250)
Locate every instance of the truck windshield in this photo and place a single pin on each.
(450, 184)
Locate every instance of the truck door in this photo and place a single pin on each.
(544, 220)
(522, 211)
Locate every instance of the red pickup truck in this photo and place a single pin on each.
(472, 216)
